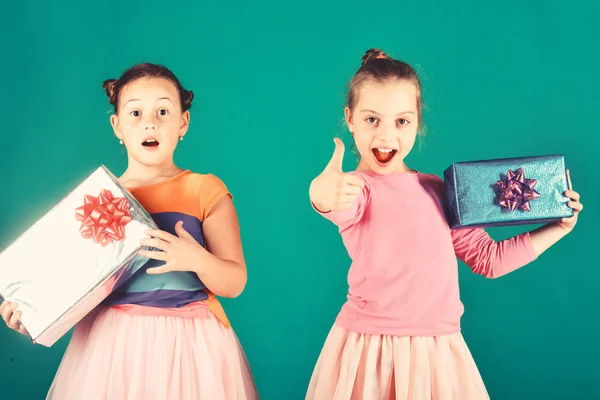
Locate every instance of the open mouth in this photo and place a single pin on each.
(384, 156)
(150, 143)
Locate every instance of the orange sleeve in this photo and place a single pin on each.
(211, 190)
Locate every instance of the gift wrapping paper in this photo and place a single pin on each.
(508, 191)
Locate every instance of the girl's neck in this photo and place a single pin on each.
(138, 174)
(401, 168)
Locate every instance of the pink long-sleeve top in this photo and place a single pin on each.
(403, 279)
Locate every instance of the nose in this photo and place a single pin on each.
(150, 124)
(385, 135)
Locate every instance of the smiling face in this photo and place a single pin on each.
(384, 123)
(150, 120)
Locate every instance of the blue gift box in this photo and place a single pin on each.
(508, 191)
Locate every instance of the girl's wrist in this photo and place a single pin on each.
(202, 260)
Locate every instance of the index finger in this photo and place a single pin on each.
(157, 233)
(7, 311)
(355, 181)
(569, 180)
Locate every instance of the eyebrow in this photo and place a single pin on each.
(376, 113)
(161, 98)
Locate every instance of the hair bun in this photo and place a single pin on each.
(374, 54)
(109, 88)
(187, 96)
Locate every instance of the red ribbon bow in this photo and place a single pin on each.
(517, 191)
(103, 218)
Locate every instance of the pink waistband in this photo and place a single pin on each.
(192, 310)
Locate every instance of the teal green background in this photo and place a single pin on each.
(500, 80)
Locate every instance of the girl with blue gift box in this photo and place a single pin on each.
(398, 335)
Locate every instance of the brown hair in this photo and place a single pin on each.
(113, 87)
(378, 66)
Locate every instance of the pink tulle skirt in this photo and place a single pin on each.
(131, 352)
(355, 366)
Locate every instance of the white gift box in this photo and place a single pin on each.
(76, 255)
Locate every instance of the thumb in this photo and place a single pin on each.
(335, 164)
(182, 233)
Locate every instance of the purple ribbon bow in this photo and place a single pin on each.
(517, 191)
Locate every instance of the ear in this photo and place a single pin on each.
(348, 117)
(114, 121)
(185, 123)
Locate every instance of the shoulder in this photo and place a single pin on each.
(204, 181)
(209, 189)
(203, 178)
(431, 177)
(432, 180)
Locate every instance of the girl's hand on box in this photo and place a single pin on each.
(11, 317)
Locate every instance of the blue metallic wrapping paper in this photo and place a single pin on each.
(473, 194)
(63, 266)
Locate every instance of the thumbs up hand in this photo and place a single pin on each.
(334, 190)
